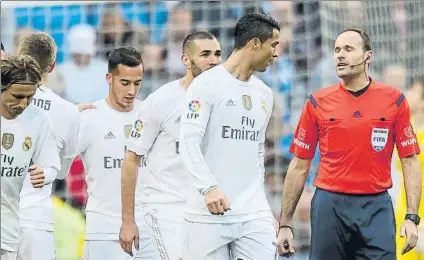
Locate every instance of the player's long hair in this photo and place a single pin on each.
(20, 69)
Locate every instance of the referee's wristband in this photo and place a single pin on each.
(286, 226)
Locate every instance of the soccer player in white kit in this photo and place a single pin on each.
(27, 144)
(222, 139)
(102, 143)
(36, 206)
(164, 175)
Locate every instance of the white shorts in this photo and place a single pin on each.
(104, 250)
(165, 226)
(7, 255)
(251, 240)
(36, 245)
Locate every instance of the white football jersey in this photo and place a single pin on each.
(155, 135)
(36, 207)
(27, 138)
(102, 143)
(222, 144)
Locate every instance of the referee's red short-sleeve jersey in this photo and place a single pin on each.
(356, 136)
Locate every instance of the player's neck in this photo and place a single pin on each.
(186, 80)
(44, 80)
(356, 83)
(238, 67)
(5, 113)
(115, 106)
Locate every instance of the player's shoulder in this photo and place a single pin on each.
(34, 111)
(208, 77)
(166, 91)
(260, 84)
(34, 115)
(66, 107)
(89, 114)
(137, 104)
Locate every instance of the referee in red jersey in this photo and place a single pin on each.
(356, 123)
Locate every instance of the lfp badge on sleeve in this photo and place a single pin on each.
(379, 138)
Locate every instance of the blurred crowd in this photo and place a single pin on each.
(85, 34)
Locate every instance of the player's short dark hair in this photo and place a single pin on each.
(366, 40)
(200, 35)
(19, 69)
(254, 25)
(2, 47)
(127, 56)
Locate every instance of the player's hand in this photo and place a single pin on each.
(82, 107)
(37, 176)
(285, 242)
(216, 201)
(128, 235)
(409, 229)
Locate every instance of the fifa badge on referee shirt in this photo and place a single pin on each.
(247, 102)
(27, 144)
(127, 130)
(7, 140)
(379, 138)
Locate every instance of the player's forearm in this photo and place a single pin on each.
(412, 172)
(294, 184)
(128, 185)
(193, 159)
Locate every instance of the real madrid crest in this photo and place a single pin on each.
(7, 140)
(27, 144)
(247, 102)
(127, 130)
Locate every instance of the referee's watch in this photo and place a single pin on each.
(414, 218)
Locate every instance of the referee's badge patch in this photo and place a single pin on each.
(379, 138)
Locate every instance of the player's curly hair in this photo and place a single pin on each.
(20, 69)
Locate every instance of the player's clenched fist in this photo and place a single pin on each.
(128, 235)
(217, 202)
(285, 242)
(37, 176)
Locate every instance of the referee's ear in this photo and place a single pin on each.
(368, 57)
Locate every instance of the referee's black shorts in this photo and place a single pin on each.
(352, 227)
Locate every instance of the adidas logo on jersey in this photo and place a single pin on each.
(178, 120)
(110, 135)
(230, 102)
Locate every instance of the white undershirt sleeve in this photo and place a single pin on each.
(198, 108)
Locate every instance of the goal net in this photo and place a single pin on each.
(396, 29)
